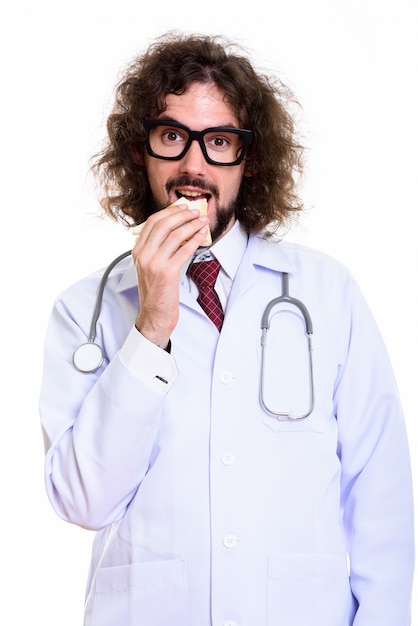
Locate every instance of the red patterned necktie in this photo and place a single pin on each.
(204, 274)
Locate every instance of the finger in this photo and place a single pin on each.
(172, 209)
(169, 233)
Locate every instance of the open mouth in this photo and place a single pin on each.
(192, 195)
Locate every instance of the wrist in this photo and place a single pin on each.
(162, 342)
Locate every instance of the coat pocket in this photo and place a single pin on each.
(308, 590)
(140, 594)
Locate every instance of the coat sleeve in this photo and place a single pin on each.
(377, 500)
(99, 428)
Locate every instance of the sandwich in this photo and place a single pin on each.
(202, 205)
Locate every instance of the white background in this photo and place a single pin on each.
(353, 65)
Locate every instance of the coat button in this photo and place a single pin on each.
(228, 458)
(226, 377)
(230, 541)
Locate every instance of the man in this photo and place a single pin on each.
(222, 497)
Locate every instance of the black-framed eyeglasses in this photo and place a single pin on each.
(220, 145)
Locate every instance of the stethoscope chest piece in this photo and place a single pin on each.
(88, 357)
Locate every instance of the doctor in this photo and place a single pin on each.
(214, 506)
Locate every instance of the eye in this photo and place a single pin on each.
(219, 142)
(171, 136)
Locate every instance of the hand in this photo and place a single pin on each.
(165, 243)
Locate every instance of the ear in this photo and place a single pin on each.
(250, 170)
(137, 156)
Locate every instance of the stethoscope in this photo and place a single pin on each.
(88, 357)
(265, 325)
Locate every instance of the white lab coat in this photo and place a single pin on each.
(209, 511)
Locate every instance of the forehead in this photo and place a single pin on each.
(202, 105)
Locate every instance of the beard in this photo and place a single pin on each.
(224, 215)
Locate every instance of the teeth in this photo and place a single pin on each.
(190, 194)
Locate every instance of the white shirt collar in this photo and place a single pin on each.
(228, 251)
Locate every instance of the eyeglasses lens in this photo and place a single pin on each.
(169, 142)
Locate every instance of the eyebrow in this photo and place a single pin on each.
(172, 119)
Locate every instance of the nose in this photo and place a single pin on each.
(193, 161)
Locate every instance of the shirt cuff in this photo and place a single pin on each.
(148, 362)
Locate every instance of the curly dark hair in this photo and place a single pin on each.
(261, 103)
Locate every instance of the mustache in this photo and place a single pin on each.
(186, 181)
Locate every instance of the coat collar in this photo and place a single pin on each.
(272, 253)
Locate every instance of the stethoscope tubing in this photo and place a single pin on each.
(99, 297)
